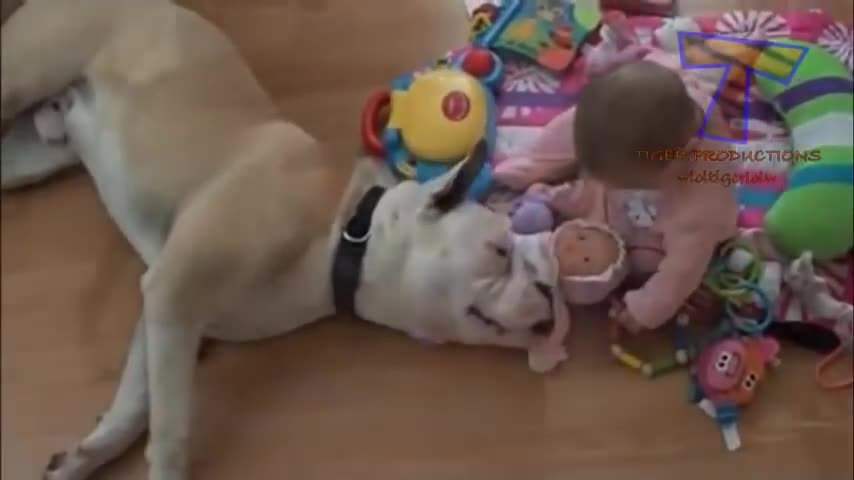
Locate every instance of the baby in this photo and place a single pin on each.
(644, 172)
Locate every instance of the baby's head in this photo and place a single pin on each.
(591, 261)
(625, 116)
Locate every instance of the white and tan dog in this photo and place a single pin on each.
(235, 211)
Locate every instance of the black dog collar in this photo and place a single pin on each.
(350, 252)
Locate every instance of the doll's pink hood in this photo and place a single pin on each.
(536, 250)
(539, 250)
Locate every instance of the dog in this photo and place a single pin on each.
(246, 224)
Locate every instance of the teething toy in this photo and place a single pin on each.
(679, 358)
(435, 118)
(701, 306)
(725, 378)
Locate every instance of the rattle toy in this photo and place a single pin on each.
(435, 118)
(725, 378)
(428, 121)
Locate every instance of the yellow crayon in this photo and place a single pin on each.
(626, 358)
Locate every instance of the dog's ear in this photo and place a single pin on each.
(451, 189)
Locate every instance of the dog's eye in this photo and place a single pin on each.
(586, 259)
(499, 248)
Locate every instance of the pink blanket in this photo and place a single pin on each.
(531, 96)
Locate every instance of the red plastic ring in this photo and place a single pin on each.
(370, 116)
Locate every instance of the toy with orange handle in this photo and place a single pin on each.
(427, 122)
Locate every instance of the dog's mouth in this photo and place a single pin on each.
(485, 319)
(542, 328)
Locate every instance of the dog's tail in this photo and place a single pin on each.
(47, 44)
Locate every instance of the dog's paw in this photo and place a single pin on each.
(71, 465)
(49, 120)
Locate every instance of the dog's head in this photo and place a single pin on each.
(444, 269)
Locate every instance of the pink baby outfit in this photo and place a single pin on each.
(670, 233)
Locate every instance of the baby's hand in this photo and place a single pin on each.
(621, 314)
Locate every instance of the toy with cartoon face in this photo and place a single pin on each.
(590, 259)
(729, 371)
(583, 250)
(640, 211)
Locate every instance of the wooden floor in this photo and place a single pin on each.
(348, 401)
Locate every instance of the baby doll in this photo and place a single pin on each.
(591, 261)
(633, 138)
(587, 262)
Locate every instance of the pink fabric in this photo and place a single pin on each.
(548, 159)
(751, 217)
(690, 232)
(537, 250)
(641, 7)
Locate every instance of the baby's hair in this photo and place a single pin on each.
(639, 107)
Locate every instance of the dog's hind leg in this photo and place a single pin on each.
(36, 146)
(118, 428)
(47, 44)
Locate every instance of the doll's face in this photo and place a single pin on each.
(584, 251)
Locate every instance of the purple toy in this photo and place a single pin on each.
(532, 214)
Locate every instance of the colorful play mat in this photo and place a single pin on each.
(532, 95)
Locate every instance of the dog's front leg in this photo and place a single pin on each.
(118, 428)
(172, 340)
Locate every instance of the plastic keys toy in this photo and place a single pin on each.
(682, 354)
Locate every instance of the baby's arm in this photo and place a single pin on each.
(679, 275)
(579, 199)
(551, 158)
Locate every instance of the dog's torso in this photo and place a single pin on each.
(236, 212)
(166, 115)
